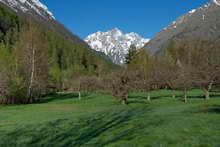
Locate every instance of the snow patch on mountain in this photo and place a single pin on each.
(217, 2)
(185, 17)
(202, 23)
(28, 5)
(115, 44)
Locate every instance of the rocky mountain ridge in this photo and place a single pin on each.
(29, 6)
(202, 23)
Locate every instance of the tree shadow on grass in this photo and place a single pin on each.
(86, 131)
(136, 102)
(203, 97)
(215, 96)
(215, 90)
(57, 96)
(93, 132)
(211, 109)
(215, 109)
(143, 99)
(160, 97)
(140, 99)
(194, 97)
(136, 99)
(128, 134)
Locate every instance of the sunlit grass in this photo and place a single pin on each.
(100, 120)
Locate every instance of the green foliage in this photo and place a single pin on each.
(70, 59)
(142, 60)
(10, 24)
(17, 91)
(5, 57)
(11, 85)
(66, 57)
(132, 52)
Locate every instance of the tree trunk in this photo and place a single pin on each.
(79, 95)
(173, 94)
(32, 76)
(125, 100)
(63, 86)
(185, 96)
(206, 93)
(210, 86)
(148, 97)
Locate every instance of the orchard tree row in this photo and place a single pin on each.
(185, 65)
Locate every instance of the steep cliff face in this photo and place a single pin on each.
(203, 23)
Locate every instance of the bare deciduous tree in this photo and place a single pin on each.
(117, 84)
(32, 61)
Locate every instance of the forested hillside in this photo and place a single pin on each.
(36, 59)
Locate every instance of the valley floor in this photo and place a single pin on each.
(100, 120)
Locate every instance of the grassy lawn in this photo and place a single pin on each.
(100, 120)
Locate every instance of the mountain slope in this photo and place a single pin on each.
(35, 10)
(202, 23)
(69, 54)
(114, 43)
(29, 6)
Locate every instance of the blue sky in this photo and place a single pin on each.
(146, 17)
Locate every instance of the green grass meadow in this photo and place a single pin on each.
(98, 120)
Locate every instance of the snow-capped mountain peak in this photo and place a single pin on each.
(28, 6)
(114, 43)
